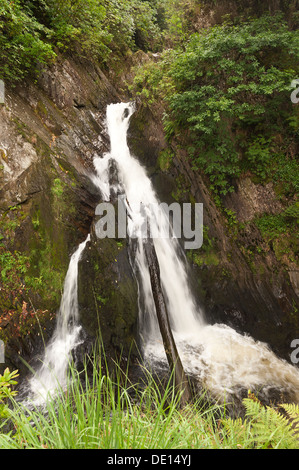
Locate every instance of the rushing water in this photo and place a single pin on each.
(222, 360)
(53, 371)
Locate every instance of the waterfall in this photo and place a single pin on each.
(221, 359)
(186, 318)
(53, 371)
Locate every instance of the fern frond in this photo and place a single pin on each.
(253, 407)
(269, 427)
(233, 427)
(237, 431)
(292, 411)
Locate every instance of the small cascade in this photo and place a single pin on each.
(53, 371)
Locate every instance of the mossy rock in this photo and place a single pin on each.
(108, 297)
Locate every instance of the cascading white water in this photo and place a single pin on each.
(185, 317)
(222, 359)
(53, 371)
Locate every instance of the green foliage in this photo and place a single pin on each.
(108, 411)
(23, 42)
(285, 174)
(18, 284)
(31, 32)
(292, 212)
(14, 265)
(147, 34)
(270, 428)
(272, 226)
(280, 231)
(77, 23)
(17, 317)
(230, 84)
(265, 427)
(57, 188)
(179, 20)
(228, 96)
(7, 381)
(258, 154)
(206, 255)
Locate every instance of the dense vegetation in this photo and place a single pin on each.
(228, 95)
(33, 32)
(226, 88)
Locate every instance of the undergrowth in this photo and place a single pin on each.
(99, 410)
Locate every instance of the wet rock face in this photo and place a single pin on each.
(108, 296)
(251, 200)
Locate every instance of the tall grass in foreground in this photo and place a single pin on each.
(99, 411)
(104, 412)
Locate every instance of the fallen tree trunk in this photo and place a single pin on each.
(172, 355)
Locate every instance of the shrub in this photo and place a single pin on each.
(7, 380)
(228, 96)
(23, 42)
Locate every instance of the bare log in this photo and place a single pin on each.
(172, 354)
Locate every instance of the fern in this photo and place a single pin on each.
(292, 411)
(237, 430)
(269, 427)
(265, 427)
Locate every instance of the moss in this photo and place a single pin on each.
(41, 109)
(49, 256)
(279, 233)
(203, 258)
(43, 230)
(165, 159)
(20, 317)
(24, 130)
(207, 255)
(182, 191)
(107, 295)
